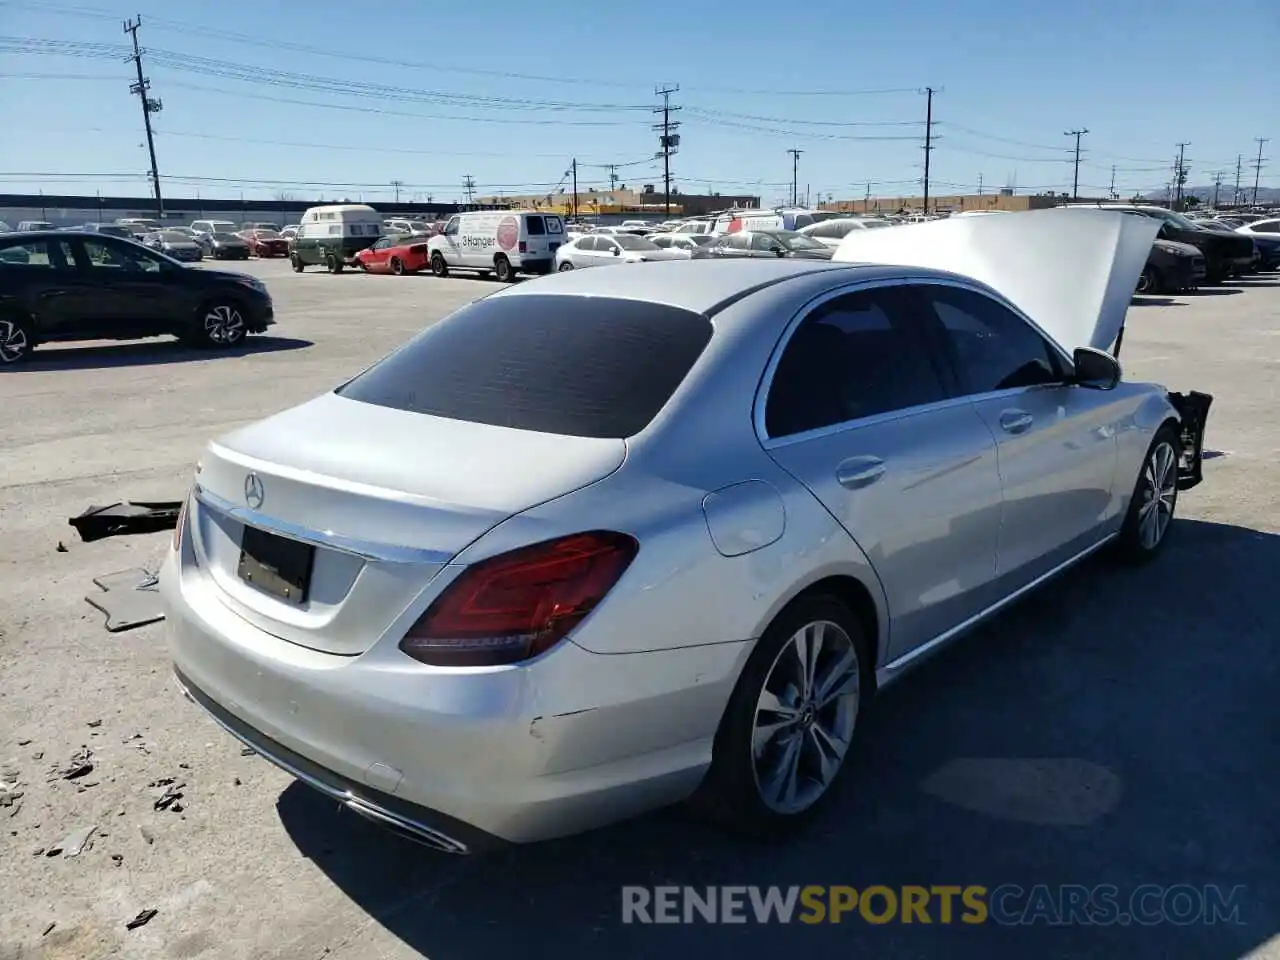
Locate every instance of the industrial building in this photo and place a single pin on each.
(951, 203)
(622, 200)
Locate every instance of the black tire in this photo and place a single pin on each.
(502, 269)
(438, 266)
(1134, 544)
(298, 265)
(219, 325)
(732, 792)
(333, 262)
(397, 266)
(16, 340)
(1150, 281)
(565, 266)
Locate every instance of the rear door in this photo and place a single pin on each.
(858, 411)
(535, 238)
(1056, 442)
(40, 275)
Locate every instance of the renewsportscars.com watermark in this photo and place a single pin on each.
(1006, 905)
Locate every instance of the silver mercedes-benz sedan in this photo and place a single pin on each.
(610, 539)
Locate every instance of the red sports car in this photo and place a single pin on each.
(398, 255)
(265, 243)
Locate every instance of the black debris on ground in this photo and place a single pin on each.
(141, 920)
(81, 764)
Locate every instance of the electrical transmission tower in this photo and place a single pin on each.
(928, 140)
(396, 185)
(149, 106)
(795, 176)
(1075, 176)
(613, 176)
(1180, 175)
(469, 187)
(1257, 167)
(668, 139)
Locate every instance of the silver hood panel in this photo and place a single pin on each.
(1072, 270)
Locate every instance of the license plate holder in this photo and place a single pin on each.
(276, 565)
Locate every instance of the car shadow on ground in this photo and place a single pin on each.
(1220, 291)
(1110, 729)
(1151, 301)
(148, 353)
(1249, 282)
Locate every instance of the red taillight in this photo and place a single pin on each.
(524, 247)
(516, 605)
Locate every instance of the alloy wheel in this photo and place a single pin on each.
(1159, 495)
(223, 325)
(13, 342)
(805, 716)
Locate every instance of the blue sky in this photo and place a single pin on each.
(258, 98)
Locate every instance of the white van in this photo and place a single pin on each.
(783, 219)
(333, 234)
(504, 242)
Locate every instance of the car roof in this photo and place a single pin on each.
(697, 285)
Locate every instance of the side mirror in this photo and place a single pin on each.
(1096, 369)
(617, 252)
(780, 251)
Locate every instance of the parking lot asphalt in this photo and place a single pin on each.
(1119, 727)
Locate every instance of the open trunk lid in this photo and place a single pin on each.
(353, 508)
(1071, 270)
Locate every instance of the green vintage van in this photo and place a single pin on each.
(330, 236)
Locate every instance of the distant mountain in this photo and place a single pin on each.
(1205, 194)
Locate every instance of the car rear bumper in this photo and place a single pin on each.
(535, 266)
(570, 741)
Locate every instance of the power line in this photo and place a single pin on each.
(1075, 178)
(149, 106)
(669, 140)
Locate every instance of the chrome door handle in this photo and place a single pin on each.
(857, 472)
(1016, 421)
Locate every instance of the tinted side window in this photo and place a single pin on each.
(734, 241)
(535, 226)
(1267, 226)
(34, 253)
(575, 366)
(991, 347)
(856, 356)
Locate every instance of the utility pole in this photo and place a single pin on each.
(979, 183)
(669, 140)
(469, 186)
(1075, 176)
(149, 106)
(1257, 167)
(574, 170)
(1111, 192)
(396, 185)
(1180, 175)
(1235, 197)
(928, 141)
(795, 172)
(866, 202)
(1217, 186)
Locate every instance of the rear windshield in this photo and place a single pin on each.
(536, 227)
(573, 366)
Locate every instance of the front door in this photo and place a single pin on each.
(1056, 442)
(137, 296)
(859, 412)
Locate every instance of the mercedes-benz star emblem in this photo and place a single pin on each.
(253, 493)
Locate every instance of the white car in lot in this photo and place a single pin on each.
(830, 232)
(603, 250)
(680, 243)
